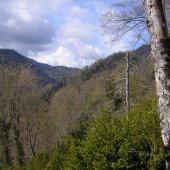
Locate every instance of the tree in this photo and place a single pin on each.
(22, 115)
(160, 45)
(31, 109)
(5, 120)
(126, 17)
(4, 138)
(155, 13)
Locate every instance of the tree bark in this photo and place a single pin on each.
(160, 51)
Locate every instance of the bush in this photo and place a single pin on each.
(38, 162)
(45, 161)
(113, 142)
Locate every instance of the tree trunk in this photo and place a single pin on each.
(31, 137)
(17, 138)
(127, 83)
(19, 147)
(4, 138)
(160, 51)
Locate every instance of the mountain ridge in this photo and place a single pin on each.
(11, 58)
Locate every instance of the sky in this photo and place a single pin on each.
(57, 32)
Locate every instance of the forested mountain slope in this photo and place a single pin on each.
(101, 86)
(47, 73)
(44, 124)
(55, 72)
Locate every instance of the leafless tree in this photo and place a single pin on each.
(21, 113)
(125, 17)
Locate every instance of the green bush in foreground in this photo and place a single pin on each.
(123, 143)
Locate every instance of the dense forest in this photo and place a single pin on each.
(82, 122)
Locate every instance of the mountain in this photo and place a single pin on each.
(112, 61)
(84, 95)
(45, 73)
(55, 72)
(102, 86)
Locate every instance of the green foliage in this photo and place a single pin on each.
(73, 158)
(121, 143)
(38, 162)
(141, 145)
(42, 161)
(98, 148)
(101, 65)
(55, 161)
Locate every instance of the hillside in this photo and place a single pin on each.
(93, 89)
(43, 124)
(45, 73)
(57, 73)
(136, 58)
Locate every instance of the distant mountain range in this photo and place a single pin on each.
(59, 76)
(45, 72)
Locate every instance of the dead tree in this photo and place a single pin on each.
(127, 83)
(120, 85)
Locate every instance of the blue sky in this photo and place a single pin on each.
(57, 32)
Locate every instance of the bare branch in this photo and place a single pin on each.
(120, 21)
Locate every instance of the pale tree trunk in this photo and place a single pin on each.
(127, 83)
(32, 137)
(160, 47)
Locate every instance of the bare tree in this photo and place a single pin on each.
(125, 17)
(127, 83)
(128, 17)
(22, 114)
(5, 120)
(31, 109)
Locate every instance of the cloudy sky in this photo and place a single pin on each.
(57, 32)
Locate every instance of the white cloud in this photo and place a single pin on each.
(79, 12)
(22, 12)
(38, 7)
(70, 56)
(62, 56)
(57, 32)
(75, 28)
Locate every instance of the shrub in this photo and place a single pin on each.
(114, 142)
